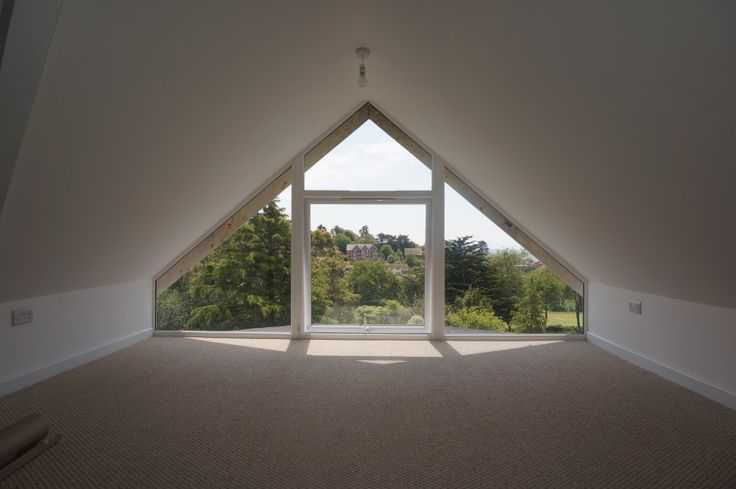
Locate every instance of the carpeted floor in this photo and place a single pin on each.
(184, 412)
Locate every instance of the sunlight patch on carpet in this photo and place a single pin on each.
(477, 347)
(382, 362)
(376, 348)
(258, 343)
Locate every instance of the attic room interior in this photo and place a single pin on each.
(367, 244)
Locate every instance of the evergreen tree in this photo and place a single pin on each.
(507, 283)
(246, 282)
(465, 266)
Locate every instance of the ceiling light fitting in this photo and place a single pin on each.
(362, 53)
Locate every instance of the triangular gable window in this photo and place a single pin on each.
(421, 271)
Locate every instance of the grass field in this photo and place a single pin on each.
(562, 319)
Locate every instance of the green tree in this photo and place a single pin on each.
(386, 251)
(322, 242)
(365, 236)
(506, 280)
(245, 283)
(552, 289)
(474, 310)
(529, 315)
(321, 299)
(412, 261)
(342, 241)
(331, 297)
(350, 234)
(399, 243)
(382, 239)
(403, 242)
(412, 286)
(343, 237)
(577, 301)
(474, 298)
(396, 257)
(465, 267)
(172, 307)
(373, 282)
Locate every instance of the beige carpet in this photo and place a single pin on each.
(178, 412)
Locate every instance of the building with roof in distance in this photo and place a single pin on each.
(362, 251)
(528, 267)
(419, 252)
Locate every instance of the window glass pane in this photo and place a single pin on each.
(368, 159)
(367, 264)
(244, 284)
(493, 285)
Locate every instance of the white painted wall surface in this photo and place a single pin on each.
(70, 329)
(689, 343)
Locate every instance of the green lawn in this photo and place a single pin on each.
(562, 319)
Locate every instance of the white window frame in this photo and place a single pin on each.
(293, 174)
(337, 198)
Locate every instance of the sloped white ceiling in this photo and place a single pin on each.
(606, 129)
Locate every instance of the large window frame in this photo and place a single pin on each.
(293, 174)
(337, 198)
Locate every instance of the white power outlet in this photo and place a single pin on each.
(635, 307)
(22, 316)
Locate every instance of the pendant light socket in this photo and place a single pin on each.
(362, 53)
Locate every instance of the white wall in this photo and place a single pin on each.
(689, 343)
(70, 329)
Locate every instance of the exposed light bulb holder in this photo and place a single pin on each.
(362, 53)
(362, 80)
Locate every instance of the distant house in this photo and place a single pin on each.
(398, 267)
(360, 251)
(414, 252)
(528, 267)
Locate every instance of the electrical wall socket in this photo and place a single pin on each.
(22, 316)
(635, 307)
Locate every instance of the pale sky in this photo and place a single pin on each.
(369, 159)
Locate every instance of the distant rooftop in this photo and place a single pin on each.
(414, 251)
(361, 246)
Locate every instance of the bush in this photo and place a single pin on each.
(416, 320)
(475, 318)
(397, 312)
(373, 314)
(391, 312)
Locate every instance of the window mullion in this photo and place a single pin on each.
(298, 257)
(436, 262)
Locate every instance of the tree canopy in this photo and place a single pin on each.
(245, 283)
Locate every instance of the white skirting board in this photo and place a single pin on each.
(23, 379)
(688, 381)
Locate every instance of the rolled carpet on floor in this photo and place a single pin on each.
(21, 442)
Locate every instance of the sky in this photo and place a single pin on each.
(369, 159)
